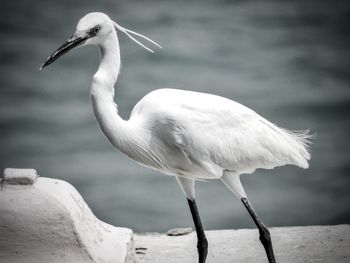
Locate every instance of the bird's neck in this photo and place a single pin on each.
(102, 93)
(109, 67)
(110, 58)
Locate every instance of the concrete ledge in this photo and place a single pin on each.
(19, 176)
(329, 244)
(47, 220)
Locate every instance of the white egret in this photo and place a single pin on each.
(186, 134)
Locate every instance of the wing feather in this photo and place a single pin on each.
(216, 134)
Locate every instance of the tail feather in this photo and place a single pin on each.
(300, 141)
(293, 146)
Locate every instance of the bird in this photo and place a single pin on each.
(186, 134)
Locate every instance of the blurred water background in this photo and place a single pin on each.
(287, 60)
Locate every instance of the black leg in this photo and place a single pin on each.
(202, 244)
(265, 236)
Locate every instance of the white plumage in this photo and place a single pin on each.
(187, 134)
(199, 135)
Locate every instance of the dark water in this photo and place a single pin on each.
(288, 60)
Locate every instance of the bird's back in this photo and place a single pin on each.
(216, 134)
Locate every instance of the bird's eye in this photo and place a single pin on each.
(95, 30)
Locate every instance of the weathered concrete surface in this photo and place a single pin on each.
(46, 220)
(329, 244)
(19, 176)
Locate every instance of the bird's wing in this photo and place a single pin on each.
(215, 132)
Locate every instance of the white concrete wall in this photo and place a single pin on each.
(46, 220)
(311, 244)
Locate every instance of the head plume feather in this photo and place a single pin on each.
(129, 32)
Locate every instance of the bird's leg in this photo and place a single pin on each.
(265, 236)
(187, 186)
(202, 243)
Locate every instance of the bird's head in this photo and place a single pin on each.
(93, 29)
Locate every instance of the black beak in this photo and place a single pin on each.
(66, 47)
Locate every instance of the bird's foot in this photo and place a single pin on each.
(202, 247)
(265, 238)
